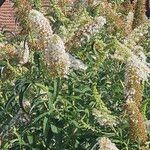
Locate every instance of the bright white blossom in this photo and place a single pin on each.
(40, 24)
(76, 64)
(104, 117)
(138, 62)
(56, 58)
(106, 144)
(135, 64)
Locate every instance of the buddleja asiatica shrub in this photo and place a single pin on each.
(74, 78)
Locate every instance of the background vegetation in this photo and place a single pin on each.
(39, 111)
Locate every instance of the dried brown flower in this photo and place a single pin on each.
(136, 122)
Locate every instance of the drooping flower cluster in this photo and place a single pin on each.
(84, 34)
(137, 70)
(134, 59)
(106, 144)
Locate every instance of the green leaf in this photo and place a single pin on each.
(30, 139)
(45, 126)
(41, 116)
(54, 129)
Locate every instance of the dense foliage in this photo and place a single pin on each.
(57, 97)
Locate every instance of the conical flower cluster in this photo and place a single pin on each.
(20, 53)
(40, 24)
(57, 59)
